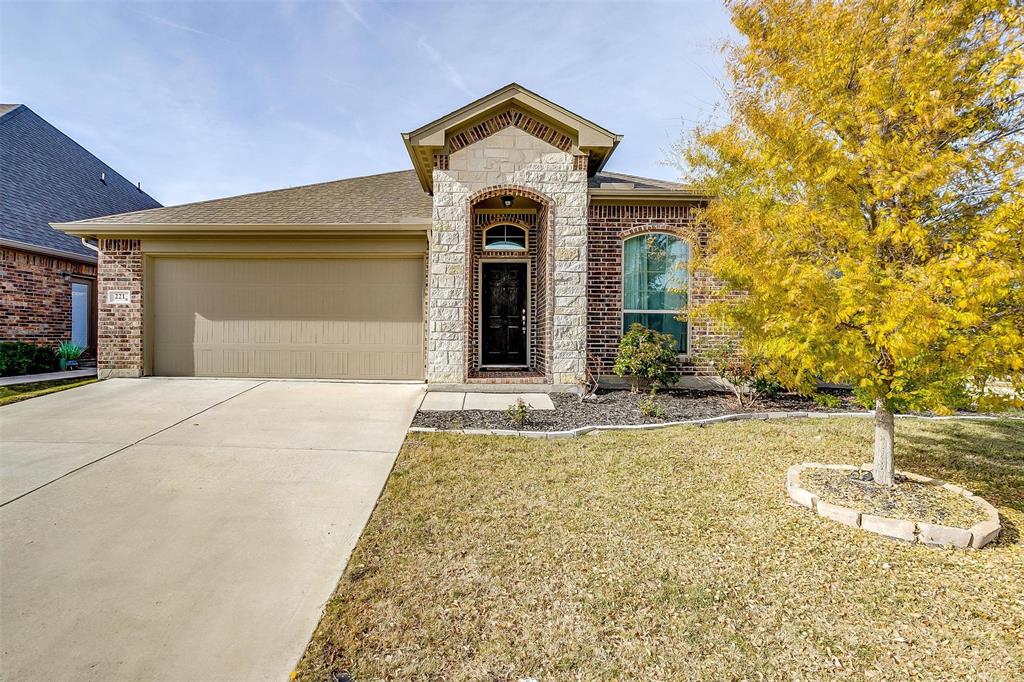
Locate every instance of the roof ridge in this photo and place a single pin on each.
(244, 195)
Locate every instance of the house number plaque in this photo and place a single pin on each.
(119, 297)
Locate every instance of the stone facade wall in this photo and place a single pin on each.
(513, 159)
(120, 326)
(35, 296)
(608, 227)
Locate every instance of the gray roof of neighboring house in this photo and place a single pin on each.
(46, 177)
(387, 198)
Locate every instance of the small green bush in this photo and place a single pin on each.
(17, 357)
(746, 372)
(646, 358)
(518, 412)
(649, 407)
(826, 400)
(68, 350)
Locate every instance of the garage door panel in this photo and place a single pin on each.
(322, 318)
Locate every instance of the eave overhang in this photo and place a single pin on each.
(590, 139)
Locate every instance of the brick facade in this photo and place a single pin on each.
(608, 227)
(35, 296)
(120, 326)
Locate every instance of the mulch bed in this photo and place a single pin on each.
(905, 499)
(622, 407)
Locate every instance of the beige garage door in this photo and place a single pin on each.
(351, 318)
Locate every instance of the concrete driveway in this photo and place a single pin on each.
(183, 529)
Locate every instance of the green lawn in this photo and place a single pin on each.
(672, 555)
(13, 394)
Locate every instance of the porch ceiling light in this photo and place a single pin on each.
(507, 200)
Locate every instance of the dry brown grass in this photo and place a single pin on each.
(671, 555)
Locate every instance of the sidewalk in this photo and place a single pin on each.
(86, 373)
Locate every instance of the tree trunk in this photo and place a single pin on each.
(884, 464)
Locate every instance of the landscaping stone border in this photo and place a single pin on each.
(975, 537)
(764, 416)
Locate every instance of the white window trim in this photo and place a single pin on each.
(526, 238)
(622, 280)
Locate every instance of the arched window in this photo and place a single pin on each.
(655, 284)
(504, 238)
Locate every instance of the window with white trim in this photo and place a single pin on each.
(655, 284)
(504, 238)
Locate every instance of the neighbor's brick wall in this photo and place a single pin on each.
(120, 326)
(608, 227)
(35, 298)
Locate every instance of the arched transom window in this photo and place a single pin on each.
(655, 284)
(505, 238)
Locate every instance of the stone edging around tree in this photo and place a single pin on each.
(763, 416)
(975, 537)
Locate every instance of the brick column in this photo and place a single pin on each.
(120, 325)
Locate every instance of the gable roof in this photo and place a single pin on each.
(46, 177)
(586, 136)
(387, 198)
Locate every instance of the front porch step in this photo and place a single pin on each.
(505, 386)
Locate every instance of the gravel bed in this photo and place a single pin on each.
(622, 407)
(920, 502)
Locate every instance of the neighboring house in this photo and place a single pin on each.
(47, 277)
(505, 255)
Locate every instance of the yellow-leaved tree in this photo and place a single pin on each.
(867, 198)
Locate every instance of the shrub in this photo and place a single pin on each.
(518, 412)
(746, 372)
(68, 350)
(17, 357)
(826, 400)
(649, 407)
(646, 358)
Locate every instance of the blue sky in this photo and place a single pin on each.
(208, 99)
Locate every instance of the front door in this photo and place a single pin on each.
(503, 308)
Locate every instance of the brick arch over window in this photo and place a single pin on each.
(514, 190)
(539, 254)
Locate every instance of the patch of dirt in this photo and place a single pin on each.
(904, 499)
(622, 407)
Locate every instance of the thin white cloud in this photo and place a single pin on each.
(355, 14)
(453, 75)
(173, 24)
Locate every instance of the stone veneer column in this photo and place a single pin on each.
(509, 157)
(120, 326)
(446, 332)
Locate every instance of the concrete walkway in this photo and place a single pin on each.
(444, 401)
(161, 529)
(48, 376)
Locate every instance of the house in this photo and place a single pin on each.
(505, 255)
(47, 277)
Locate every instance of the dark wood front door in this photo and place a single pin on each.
(503, 307)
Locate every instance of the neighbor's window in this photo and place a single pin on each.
(505, 238)
(655, 284)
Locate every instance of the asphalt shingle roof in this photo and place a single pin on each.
(46, 177)
(387, 198)
(637, 181)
